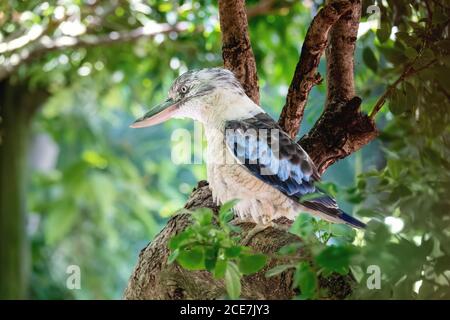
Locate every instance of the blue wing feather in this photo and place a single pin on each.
(280, 162)
(276, 160)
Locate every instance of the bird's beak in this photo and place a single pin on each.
(157, 114)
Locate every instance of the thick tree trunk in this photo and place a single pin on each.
(16, 110)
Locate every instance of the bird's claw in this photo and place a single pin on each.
(259, 228)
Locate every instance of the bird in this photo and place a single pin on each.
(249, 157)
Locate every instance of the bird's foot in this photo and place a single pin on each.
(259, 228)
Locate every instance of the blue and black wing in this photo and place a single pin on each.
(271, 155)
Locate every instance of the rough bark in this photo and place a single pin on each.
(16, 110)
(341, 130)
(306, 75)
(340, 52)
(237, 50)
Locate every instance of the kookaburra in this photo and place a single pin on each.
(249, 157)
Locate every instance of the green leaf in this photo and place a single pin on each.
(425, 58)
(369, 59)
(426, 290)
(394, 167)
(181, 238)
(335, 259)
(225, 211)
(356, 198)
(165, 7)
(233, 252)
(367, 213)
(384, 31)
(443, 77)
(305, 279)
(343, 231)
(362, 183)
(397, 102)
(192, 259)
(203, 216)
(393, 55)
(442, 264)
(411, 53)
(233, 280)
(409, 40)
(411, 95)
(278, 269)
(211, 258)
(220, 268)
(234, 228)
(251, 263)
(303, 226)
(329, 187)
(226, 217)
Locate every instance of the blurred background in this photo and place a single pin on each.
(93, 192)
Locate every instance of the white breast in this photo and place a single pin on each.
(258, 202)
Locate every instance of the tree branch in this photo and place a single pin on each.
(46, 44)
(339, 54)
(341, 129)
(23, 40)
(265, 7)
(306, 75)
(237, 51)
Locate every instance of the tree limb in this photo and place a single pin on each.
(306, 75)
(341, 129)
(265, 7)
(237, 51)
(22, 40)
(339, 54)
(46, 44)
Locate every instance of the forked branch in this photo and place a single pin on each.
(342, 128)
(306, 75)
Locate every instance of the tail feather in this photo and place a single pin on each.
(327, 205)
(351, 220)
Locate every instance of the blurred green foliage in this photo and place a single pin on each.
(112, 188)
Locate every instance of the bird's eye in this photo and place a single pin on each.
(183, 89)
